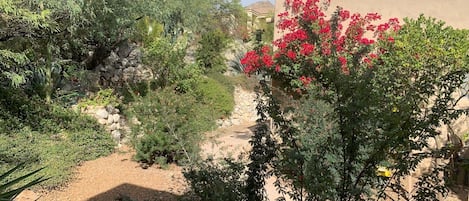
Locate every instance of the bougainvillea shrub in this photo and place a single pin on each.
(367, 97)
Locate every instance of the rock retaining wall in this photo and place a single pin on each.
(109, 117)
(124, 65)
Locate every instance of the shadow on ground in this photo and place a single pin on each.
(130, 192)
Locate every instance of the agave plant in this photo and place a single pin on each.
(235, 63)
(8, 194)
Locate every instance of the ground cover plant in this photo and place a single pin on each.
(49, 136)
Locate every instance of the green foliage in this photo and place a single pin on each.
(342, 125)
(219, 97)
(103, 97)
(6, 193)
(226, 81)
(230, 17)
(148, 30)
(214, 180)
(44, 135)
(171, 126)
(264, 148)
(209, 54)
(166, 60)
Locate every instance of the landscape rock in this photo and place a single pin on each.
(109, 121)
(102, 121)
(115, 126)
(124, 49)
(124, 65)
(116, 135)
(101, 113)
(115, 118)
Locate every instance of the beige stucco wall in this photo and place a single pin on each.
(453, 12)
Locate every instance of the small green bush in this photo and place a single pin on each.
(166, 60)
(214, 181)
(226, 81)
(218, 96)
(209, 54)
(170, 126)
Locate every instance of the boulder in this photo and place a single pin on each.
(116, 135)
(115, 126)
(101, 113)
(115, 118)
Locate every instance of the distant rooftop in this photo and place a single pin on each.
(261, 7)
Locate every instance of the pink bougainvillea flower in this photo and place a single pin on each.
(265, 49)
(366, 41)
(344, 15)
(306, 49)
(391, 39)
(267, 60)
(343, 60)
(291, 54)
(277, 68)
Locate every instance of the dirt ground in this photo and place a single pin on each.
(117, 176)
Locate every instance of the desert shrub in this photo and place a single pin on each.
(218, 96)
(212, 180)
(166, 60)
(44, 135)
(209, 54)
(170, 126)
(147, 30)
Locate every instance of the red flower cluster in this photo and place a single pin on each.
(310, 40)
(253, 60)
(306, 49)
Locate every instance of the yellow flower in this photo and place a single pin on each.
(383, 172)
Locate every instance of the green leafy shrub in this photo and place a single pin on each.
(213, 181)
(209, 55)
(148, 30)
(166, 60)
(170, 126)
(218, 96)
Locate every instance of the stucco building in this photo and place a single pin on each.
(259, 14)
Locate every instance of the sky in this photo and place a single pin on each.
(248, 2)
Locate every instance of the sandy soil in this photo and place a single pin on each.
(113, 178)
(116, 176)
